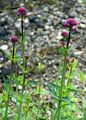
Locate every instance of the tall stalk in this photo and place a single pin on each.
(23, 85)
(9, 89)
(58, 111)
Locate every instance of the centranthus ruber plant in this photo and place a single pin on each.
(13, 39)
(70, 24)
(22, 13)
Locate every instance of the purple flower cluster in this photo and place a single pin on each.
(70, 22)
(71, 25)
(13, 39)
(22, 12)
(64, 33)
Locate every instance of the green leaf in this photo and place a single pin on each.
(41, 67)
(71, 90)
(84, 104)
(74, 65)
(66, 99)
(84, 115)
(53, 90)
(82, 76)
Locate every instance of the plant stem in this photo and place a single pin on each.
(23, 85)
(58, 111)
(69, 80)
(12, 62)
(39, 96)
(7, 104)
(39, 93)
(9, 89)
(19, 114)
(22, 41)
(61, 89)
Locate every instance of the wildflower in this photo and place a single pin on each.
(13, 39)
(26, 56)
(70, 22)
(22, 12)
(62, 42)
(74, 28)
(64, 33)
(67, 60)
(59, 45)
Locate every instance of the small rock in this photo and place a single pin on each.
(47, 27)
(3, 33)
(46, 9)
(18, 25)
(83, 26)
(59, 36)
(4, 47)
(19, 87)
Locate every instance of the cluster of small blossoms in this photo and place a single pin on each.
(22, 12)
(13, 39)
(71, 25)
(70, 22)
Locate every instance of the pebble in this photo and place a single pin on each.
(18, 24)
(83, 26)
(4, 47)
(45, 9)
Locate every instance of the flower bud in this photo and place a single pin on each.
(70, 22)
(74, 28)
(13, 39)
(22, 12)
(26, 56)
(64, 33)
(62, 42)
(67, 60)
(59, 45)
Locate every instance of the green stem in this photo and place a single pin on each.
(39, 98)
(22, 41)
(58, 111)
(69, 80)
(39, 93)
(12, 62)
(8, 98)
(7, 104)
(24, 66)
(19, 114)
(61, 89)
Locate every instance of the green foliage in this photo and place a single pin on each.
(41, 67)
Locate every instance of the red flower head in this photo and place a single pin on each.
(67, 60)
(22, 12)
(13, 39)
(70, 22)
(64, 33)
